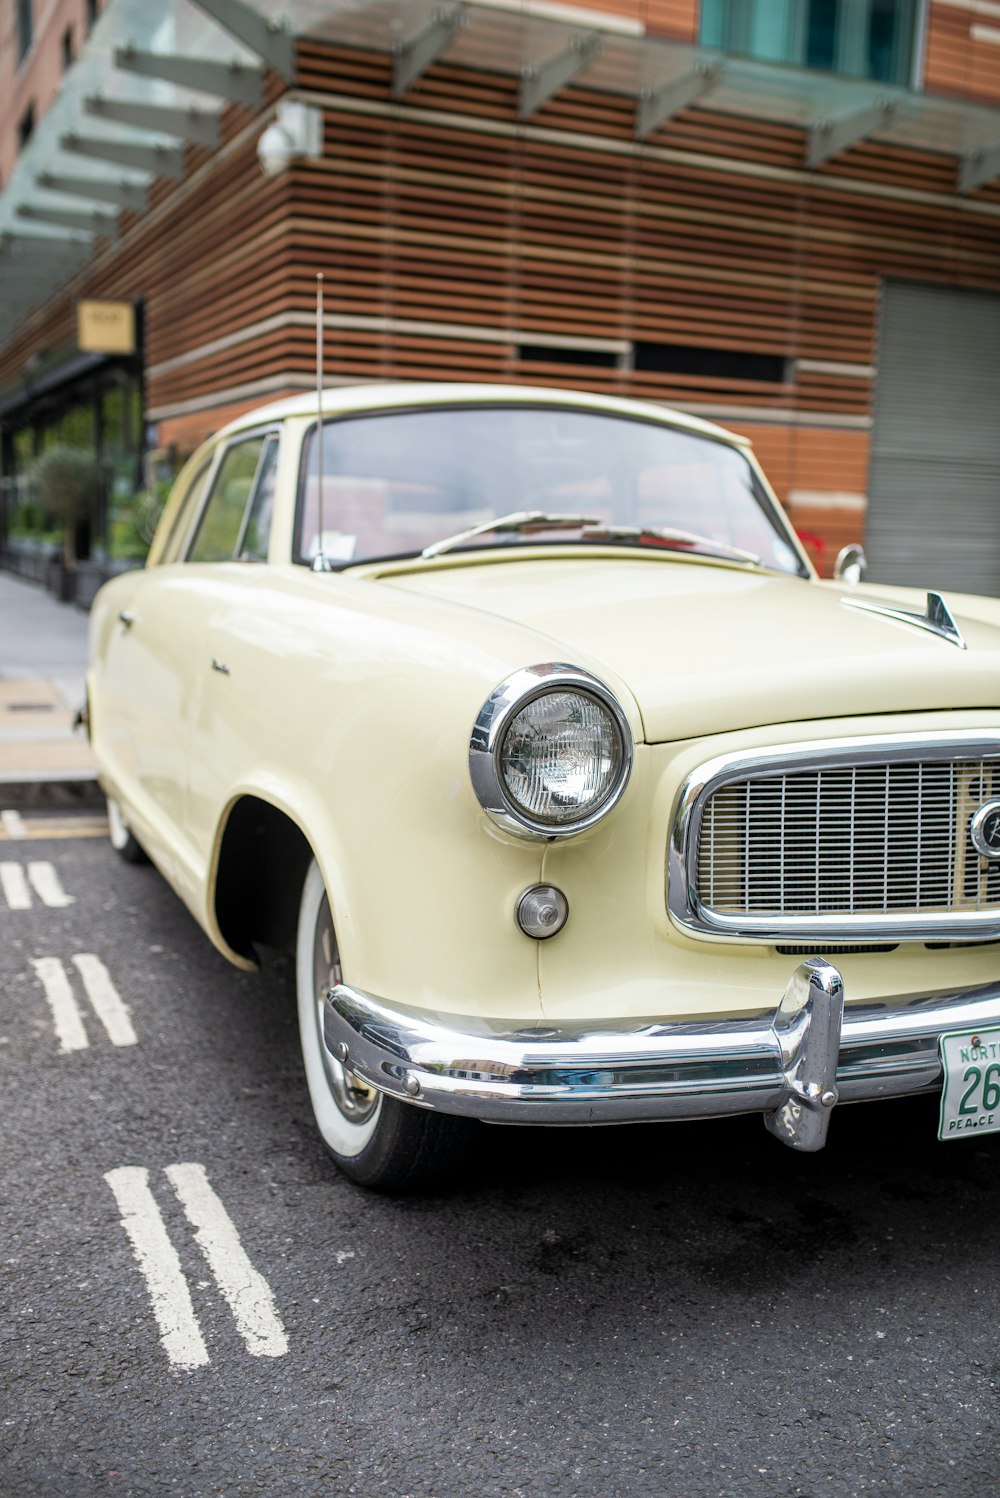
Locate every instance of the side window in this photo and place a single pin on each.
(186, 510)
(221, 527)
(253, 542)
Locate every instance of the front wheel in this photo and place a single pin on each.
(122, 838)
(376, 1140)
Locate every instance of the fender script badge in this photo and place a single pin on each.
(937, 618)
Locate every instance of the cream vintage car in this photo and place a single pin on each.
(521, 715)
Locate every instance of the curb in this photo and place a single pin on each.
(60, 792)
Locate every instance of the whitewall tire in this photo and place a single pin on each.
(376, 1140)
(121, 836)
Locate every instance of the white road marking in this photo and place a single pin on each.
(157, 1258)
(247, 1292)
(108, 1006)
(15, 886)
(13, 824)
(66, 1014)
(46, 883)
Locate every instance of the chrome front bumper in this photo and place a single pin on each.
(792, 1064)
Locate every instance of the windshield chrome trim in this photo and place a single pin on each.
(691, 916)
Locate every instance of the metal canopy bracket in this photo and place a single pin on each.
(31, 247)
(230, 80)
(92, 222)
(979, 168)
(415, 56)
(188, 124)
(265, 39)
(120, 194)
(829, 137)
(538, 84)
(162, 161)
(657, 105)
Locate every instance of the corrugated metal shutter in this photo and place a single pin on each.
(934, 488)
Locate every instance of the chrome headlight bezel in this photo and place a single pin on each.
(513, 694)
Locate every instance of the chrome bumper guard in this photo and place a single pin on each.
(792, 1065)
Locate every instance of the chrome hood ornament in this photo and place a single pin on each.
(937, 618)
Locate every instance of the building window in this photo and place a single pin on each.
(67, 48)
(546, 354)
(862, 38)
(26, 127)
(709, 363)
(24, 27)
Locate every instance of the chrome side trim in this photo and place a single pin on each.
(486, 742)
(689, 913)
(782, 1062)
(937, 618)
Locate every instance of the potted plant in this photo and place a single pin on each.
(67, 483)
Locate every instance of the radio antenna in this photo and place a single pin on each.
(320, 563)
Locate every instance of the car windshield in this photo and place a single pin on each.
(396, 483)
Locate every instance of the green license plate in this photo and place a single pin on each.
(970, 1098)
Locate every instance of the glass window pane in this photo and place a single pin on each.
(397, 482)
(863, 38)
(219, 528)
(184, 516)
(257, 534)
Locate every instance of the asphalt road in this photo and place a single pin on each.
(673, 1311)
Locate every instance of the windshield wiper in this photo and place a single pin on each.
(602, 532)
(517, 520)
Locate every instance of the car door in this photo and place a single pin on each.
(144, 693)
(160, 660)
(230, 543)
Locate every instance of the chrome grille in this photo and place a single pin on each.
(879, 842)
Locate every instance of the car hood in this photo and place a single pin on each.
(706, 648)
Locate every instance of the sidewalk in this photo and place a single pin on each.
(43, 659)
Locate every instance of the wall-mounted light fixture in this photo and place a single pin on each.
(296, 131)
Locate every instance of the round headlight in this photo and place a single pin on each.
(551, 752)
(561, 757)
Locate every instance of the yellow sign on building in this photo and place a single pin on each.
(105, 327)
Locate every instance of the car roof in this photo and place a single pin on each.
(351, 399)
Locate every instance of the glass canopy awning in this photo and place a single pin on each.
(153, 77)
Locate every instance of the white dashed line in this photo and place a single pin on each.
(45, 882)
(246, 1292)
(42, 877)
(108, 1006)
(13, 824)
(157, 1258)
(66, 1016)
(14, 886)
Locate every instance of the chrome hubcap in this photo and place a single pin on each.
(355, 1099)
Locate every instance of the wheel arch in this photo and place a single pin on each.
(261, 860)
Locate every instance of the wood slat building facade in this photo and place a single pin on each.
(706, 266)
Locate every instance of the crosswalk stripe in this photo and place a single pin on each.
(46, 884)
(106, 1000)
(246, 1292)
(14, 886)
(66, 1014)
(169, 1295)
